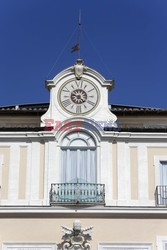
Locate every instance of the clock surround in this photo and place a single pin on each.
(78, 96)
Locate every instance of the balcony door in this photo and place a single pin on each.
(163, 173)
(78, 158)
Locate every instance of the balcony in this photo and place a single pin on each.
(161, 196)
(77, 193)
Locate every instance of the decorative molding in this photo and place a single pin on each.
(111, 135)
(26, 211)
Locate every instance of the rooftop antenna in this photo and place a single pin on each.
(78, 45)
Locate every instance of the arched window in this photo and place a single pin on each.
(78, 158)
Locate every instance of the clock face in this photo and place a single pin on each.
(78, 96)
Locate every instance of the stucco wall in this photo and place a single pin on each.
(105, 230)
(127, 167)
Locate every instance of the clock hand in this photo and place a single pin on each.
(77, 95)
(83, 99)
(73, 93)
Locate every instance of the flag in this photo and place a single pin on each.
(75, 48)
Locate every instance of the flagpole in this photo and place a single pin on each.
(79, 32)
(76, 47)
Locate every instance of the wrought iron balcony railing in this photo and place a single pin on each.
(77, 193)
(161, 196)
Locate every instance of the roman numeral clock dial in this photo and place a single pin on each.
(78, 96)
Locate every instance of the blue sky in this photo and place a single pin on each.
(125, 40)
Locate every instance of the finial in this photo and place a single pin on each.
(80, 61)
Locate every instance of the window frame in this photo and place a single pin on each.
(22, 245)
(157, 161)
(79, 148)
(160, 242)
(108, 245)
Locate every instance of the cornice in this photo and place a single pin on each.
(24, 135)
(111, 135)
(62, 212)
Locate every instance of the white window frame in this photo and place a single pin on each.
(161, 240)
(157, 162)
(41, 246)
(78, 148)
(105, 246)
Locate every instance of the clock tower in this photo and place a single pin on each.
(79, 92)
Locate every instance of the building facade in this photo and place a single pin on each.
(78, 173)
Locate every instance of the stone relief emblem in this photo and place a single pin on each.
(76, 238)
(79, 68)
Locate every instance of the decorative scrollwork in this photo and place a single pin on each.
(86, 245)
(66, 245)
(76, 237)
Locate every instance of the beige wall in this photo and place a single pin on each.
(105, 230)
(134, 173)
(22, 167)
(22, 172)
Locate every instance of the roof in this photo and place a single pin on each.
(115, 108)
(36, 110)
(25, 108)
(135, 109)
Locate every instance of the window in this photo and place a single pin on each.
(111, 246)
(162, 242)
(29, 246)
(78, 158)
(163, 173)
(161, 180)
(160, 163)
